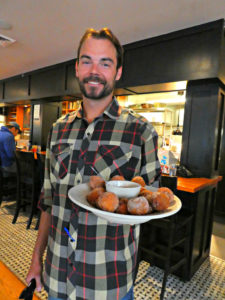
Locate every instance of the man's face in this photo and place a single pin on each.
(14, 131)
(96, 70)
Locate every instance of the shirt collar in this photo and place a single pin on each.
(113, 111)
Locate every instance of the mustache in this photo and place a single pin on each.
(93, 78)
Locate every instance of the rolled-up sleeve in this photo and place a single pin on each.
(150, 166)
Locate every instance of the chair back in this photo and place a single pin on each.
(28, 183)
(41, 165)
(1, 181)
(27, 170)
(169, 181)
(7, 183)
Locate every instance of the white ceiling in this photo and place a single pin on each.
(48, 31)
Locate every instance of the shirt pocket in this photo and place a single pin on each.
(61, 160)
(110, 158)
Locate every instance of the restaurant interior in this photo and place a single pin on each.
(187, 110)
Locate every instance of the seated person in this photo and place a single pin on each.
(8, 146)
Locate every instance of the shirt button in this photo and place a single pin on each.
(88, 133)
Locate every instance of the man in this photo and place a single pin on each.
(88, 257)
(8, 146)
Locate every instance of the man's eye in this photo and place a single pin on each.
(106, 65)
(85, 62)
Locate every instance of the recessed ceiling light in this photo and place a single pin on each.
(5, 25)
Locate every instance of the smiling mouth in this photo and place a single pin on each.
(93, 80)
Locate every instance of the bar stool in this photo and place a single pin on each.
(7, 183)
(166, 243)
(28, 184)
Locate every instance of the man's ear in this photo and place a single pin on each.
(76, 68)
(119, 73)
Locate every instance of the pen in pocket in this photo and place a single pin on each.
(68, 233)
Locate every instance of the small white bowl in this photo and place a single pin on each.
(123, 188)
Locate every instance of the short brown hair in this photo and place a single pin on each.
(103, 33)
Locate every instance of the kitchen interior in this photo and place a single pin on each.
(165, 111)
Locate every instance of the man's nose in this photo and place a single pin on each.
(94, 68)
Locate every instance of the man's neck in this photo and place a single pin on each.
(94, 108)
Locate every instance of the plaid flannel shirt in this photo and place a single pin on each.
(99, 262)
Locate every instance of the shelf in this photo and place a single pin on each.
(151, 109)
(161, 123)
(69, 106)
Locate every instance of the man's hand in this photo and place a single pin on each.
(36, 266)
(35, 272)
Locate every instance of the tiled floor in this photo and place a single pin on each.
(16, 245)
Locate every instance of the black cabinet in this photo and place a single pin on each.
(48, 83)
(17, 88)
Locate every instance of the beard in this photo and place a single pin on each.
(93, 93)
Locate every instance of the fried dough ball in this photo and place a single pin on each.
(122, 208)
(150, 209)
(160, 201)
(93, 195)
(117, 177)
(168, 192)
(138, 206)
(147, 194)
(96, 181)
(108, 201)
(138, 179)
(142, 190)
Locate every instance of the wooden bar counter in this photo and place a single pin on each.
(198, 196)
(193, 185)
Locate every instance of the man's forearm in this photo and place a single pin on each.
(42, 237)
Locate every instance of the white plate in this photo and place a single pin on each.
(78, 195)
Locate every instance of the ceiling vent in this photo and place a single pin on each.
(6, 41)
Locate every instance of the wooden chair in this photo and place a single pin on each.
(7, 183)
(28, 184)
(166, 242)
